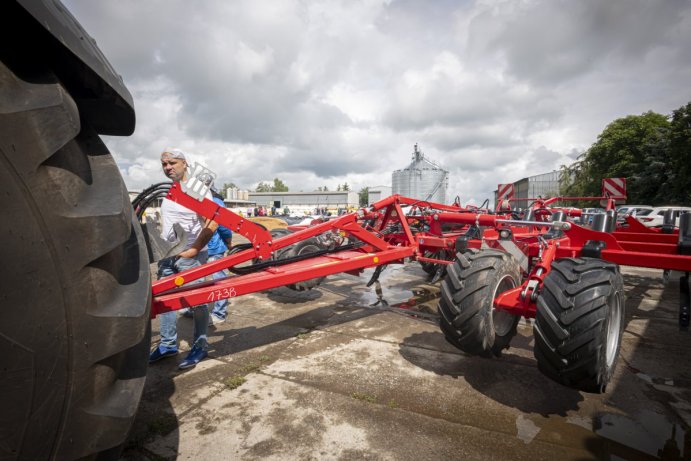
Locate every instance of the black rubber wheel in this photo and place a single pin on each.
(279, 232)
(429, 268)
(302, 248)
(579, 323)
(468, 318)
(74, 319)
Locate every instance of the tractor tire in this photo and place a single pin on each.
(579, 323)
(74, 328)
(468, 318)
(301, 248)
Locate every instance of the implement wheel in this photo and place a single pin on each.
(302, 248)
(468, 318)
(579, 323)
(429, 268)
(74, 319)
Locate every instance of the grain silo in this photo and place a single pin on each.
(422, 179)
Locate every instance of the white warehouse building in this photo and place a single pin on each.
(307, 201)
(376, 193)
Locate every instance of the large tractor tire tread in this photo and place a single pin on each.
(468, 319)
(579, 323)
(75, 330)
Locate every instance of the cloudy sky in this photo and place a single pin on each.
(326, 92)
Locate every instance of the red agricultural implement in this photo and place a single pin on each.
(497, 270)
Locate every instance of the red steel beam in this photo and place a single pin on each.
(344, 261)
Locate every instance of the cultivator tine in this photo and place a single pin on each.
(375, 275)
(441, 269)
(380, 295)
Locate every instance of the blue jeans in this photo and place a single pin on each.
(169, 327)
(220, 307)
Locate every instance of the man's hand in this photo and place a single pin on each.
(189, 253)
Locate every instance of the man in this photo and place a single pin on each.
(220, 242)
(199, 231)
(223, 242)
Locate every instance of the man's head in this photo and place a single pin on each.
(174, 163)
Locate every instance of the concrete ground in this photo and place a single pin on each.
(326, 374)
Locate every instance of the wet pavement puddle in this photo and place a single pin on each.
(649, 436)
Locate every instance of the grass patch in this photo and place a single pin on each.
(234, 382)
(301, 335)
(264, 358)
(249, 368)
(392, 404)
(364, 397)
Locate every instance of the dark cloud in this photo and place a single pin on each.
(554, 42)
(331, 92)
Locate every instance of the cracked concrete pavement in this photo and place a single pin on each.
(326, 374)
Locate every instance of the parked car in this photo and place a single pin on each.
(656, 216)
(588, 213)
(632, 210)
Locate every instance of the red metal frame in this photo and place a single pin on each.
(385, 235)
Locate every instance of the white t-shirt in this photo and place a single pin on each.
(191, 222)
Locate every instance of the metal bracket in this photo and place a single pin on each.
(198, 182)
(593, 249)
(532, 287)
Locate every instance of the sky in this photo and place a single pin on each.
(322, 93)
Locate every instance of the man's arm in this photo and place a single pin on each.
(201, 241)
(226, 235)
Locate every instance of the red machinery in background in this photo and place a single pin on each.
(497, 269)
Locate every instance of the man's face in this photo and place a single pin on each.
(173, 168)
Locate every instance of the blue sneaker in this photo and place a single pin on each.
(213, 320)
(160, 353)
(187, 312)
(196, 355)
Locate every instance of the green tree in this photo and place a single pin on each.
(626, 148)
(279, 186)
(679, 180)
(364, 196)
(345, 187)
(263, 187)
(228, 185)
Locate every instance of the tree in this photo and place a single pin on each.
(263, 187)
(229, 185)
(345, 187)
(679, 180)
(279, 186)
(626, 148)
(364, 196)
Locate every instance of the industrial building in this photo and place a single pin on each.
(423, 179)
(376, 193)
(307, 202)
(238, 199)
(542, 185)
